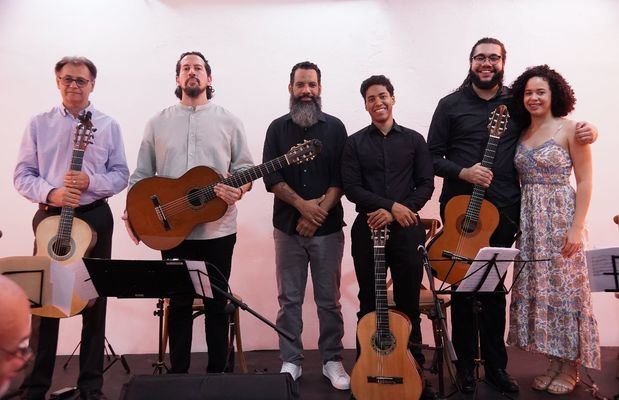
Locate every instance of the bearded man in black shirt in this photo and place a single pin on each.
(457, 139)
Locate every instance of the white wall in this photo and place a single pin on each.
(422, 46)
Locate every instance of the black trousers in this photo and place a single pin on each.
(403, 260)
(44, 339)
(217, 252)
(492, 316)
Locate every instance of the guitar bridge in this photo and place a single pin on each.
(160, 214)
(386, 380)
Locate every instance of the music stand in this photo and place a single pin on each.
(145, 279)
(28, 272)
(487, 274)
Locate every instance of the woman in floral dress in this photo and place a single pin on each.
(551, 306)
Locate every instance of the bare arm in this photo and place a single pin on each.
(581, 158)
(304, 226)
(586, 133)
(310, 209)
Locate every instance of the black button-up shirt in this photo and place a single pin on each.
(309, 180)
(458, 137)
(378, 170)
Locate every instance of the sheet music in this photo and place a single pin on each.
(63, 281)
(470, 283)
(600, 261)
(199, 278)
(84, 287)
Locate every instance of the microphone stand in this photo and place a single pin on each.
(441, 335)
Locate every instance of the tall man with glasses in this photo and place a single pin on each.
(457, 139)
(14, 332)
(43, 176)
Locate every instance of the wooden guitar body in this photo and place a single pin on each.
(183, 216)
(83, 239)
(162, 212)
(385, 371)
(461, 237)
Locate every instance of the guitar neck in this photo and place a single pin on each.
(380, 287)
(240, 178)
(479, 192)
(67, 214)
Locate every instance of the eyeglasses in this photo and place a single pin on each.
(23, 352)
(492, 58)
(68, 80)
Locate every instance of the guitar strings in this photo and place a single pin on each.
(207, 193)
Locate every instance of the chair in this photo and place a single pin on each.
(426, 306)
(235, 329)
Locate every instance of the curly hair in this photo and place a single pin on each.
(562, 95)
(381, 80)
(209, 89)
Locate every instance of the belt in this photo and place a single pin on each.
(84, 208)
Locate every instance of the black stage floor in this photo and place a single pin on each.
(313, 386)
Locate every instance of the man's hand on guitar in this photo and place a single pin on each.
(306, 228)
(227, 193)
(404, 215)
(477, 175)
(311, 210)
(379, 218)
(77, 180)
(64, 196)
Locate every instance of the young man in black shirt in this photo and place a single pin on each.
(457, 139)
(387, 172)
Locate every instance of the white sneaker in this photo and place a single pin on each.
(334, 370)
(294, 370)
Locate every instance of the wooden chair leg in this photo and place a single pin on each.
(164, 335)
(239, 342)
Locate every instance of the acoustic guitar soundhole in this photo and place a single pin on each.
(194, 198)
(383, 343)
(59, 251)
(467, 226)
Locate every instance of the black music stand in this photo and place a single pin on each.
(484, 275)
(441, 334)
(144, 279)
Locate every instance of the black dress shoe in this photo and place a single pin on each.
(502, 380)
(466, 381)
(92, 395)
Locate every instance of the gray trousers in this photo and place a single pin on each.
(293, 253)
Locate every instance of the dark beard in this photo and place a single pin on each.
(305, 113)
(194, 91)
(497, 79)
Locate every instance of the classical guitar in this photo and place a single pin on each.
(162, 212)
(385, 368)
(469, 219)
(63, 237)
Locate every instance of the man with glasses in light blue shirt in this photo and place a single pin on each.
(44, 175)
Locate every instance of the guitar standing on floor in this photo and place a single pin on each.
(162, 212)
(385, 369)
(470, 220)
(64, 237)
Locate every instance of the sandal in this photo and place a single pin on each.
(565, 381)
(542, 382)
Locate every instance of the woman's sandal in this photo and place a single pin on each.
(543, 381)
(565, 381)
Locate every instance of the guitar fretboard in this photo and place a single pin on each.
(380, 287)
(477, 197)
(207, 193)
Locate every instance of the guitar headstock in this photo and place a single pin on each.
(303, 152)
(84, 131)
(380, 236)
(498, 121)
